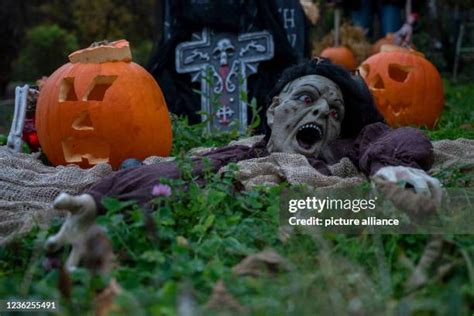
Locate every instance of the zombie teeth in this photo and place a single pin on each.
(311, 125)
(308, 135)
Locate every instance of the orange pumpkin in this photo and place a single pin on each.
(407, 88)
(340, 55)
(102, 107)
(388, 39)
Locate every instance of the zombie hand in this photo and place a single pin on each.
(79, 223)
(409, 188)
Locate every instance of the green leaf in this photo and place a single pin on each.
(209, 221)
(154, 256)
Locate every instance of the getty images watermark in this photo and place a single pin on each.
(328, 204)
(356, 210)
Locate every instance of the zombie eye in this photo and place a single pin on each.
(306, 99)
(334, 114)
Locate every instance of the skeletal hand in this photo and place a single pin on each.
(403, 35)
(79, 225)
(410, 178)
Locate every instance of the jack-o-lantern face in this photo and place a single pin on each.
(407, 88)
(102, 107)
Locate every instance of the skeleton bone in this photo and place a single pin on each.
(419, 179)
(16, 131)
(79, 223)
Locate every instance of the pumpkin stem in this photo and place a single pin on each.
(101, 43)
(103, 51)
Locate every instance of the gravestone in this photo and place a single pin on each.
(222, 62)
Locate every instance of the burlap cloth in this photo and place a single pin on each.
(28, 187)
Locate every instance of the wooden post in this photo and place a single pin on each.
(337, 22)
(407, 9)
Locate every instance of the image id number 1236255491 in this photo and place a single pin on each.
(27, 305)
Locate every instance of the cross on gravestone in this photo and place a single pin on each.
(222, 62)
(224, 113)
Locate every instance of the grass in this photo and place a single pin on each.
(458, 117)
(200, 233)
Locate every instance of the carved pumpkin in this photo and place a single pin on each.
(102, 107)
(340, 55)
(407, 88)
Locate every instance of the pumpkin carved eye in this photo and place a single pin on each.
(364, 70)
(398, 73)
(66, 90)
(98, 87)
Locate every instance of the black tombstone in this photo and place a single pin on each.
(295, 25)
(184, 21)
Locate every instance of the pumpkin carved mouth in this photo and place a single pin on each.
(90, 150)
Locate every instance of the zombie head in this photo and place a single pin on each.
(223, 51)
(305, 116)
(313, 104)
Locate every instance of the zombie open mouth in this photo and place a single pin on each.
(308, 135)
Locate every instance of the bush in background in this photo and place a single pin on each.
(45, 48)
(141, 51)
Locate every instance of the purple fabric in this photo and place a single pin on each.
(137, 183)
(376, 146)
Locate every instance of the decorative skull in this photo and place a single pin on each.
(223, 51)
